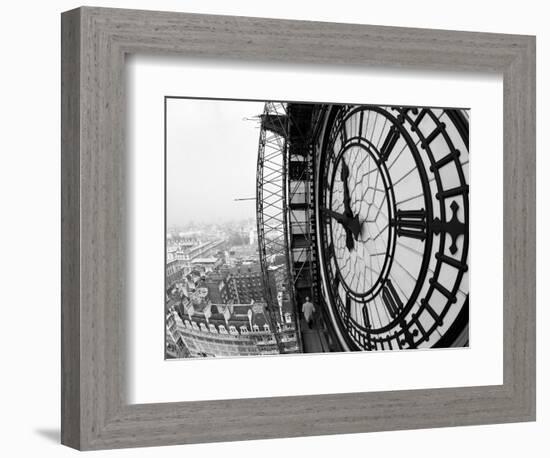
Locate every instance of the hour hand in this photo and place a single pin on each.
(337, 216)
(351, 226)
(350, 244)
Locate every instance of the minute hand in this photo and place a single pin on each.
(351, 225)
(337, 216)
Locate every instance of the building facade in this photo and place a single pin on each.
(220, 330)
(246, 283)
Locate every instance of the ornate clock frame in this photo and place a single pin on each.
(349, 127)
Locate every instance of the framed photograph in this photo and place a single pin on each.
(240, 198)
(356, 237)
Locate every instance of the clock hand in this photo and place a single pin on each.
(350, 244)
(343, 220)
(344, 175)
(351, 225)
(354, 225)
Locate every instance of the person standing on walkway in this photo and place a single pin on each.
(308, 309)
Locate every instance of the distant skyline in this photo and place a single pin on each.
(211, 154)
(225, 223)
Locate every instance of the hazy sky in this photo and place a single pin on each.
(210, 160)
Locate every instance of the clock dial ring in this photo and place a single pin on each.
(407, 330)
(339, 120)
(442, 195)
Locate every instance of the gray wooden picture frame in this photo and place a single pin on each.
(95, 411)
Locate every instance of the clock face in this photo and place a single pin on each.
(392, 223)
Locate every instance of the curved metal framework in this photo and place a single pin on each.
(299, 183)
(271, 207)
(285, 208)
(304, 121)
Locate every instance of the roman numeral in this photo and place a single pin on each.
(343, 131)
(348, 312)
(389, 143)
(366, 318)
(411, 223)
(348, 305)
(391, 299)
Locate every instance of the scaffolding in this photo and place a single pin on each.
(271, 208)
(286, 219)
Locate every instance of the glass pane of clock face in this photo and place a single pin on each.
(312, 227)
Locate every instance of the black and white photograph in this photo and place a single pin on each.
(298, 227)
